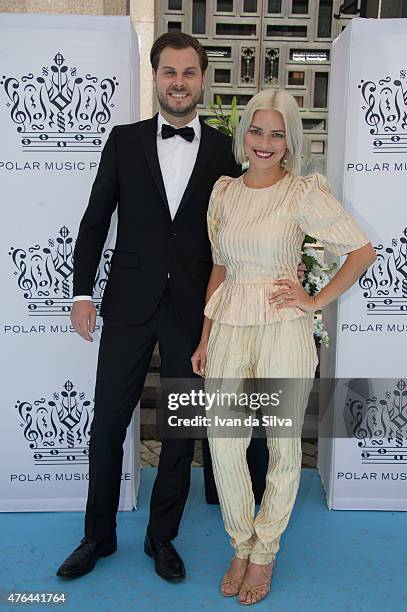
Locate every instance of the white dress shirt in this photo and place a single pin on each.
(177, 159)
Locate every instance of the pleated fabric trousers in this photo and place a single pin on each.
(283, 350)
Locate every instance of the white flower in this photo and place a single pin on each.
(321, 333)
(311, 252)
(317, 275)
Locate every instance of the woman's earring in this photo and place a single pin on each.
(246, 164)
(283, 163)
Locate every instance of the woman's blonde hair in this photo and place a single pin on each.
(283, 102)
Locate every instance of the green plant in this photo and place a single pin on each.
(224, 123)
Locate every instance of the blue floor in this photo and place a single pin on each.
(328, 561)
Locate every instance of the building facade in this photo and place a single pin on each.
(255, 44)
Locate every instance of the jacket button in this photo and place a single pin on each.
(174, 235)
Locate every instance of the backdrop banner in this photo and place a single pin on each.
(65, 81)
(367, 169)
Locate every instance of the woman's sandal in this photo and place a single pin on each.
(259, 590)
(235, 582)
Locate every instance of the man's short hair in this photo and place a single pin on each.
(177, 40)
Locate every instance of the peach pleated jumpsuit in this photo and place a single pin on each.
(257, 235)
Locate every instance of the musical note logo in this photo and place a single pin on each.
(58, 430)
(45, 275)
(384, 284)
(380, 425)
(59, 110)
(385, 113)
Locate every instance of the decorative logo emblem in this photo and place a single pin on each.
(385, 283)
(385, 106)
(380, 425)
(58, 430)
(45, 275)
(60, 110)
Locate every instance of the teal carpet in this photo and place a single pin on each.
(328, 561)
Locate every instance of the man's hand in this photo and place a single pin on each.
(83, 318)
(300, 271)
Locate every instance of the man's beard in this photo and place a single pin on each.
(181, 112)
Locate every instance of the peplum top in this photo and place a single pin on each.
(257, 235)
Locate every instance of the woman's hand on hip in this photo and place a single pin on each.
(291, 295)
(198, 359)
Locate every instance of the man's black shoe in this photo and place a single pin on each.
(168, 564)
(83, 559)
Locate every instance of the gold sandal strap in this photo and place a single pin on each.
(258, 590)
(227, 579)
(253, 588)
(268, 576)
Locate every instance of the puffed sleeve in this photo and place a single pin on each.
(214, 216)
(320, 215)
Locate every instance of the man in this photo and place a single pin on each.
(159, 173)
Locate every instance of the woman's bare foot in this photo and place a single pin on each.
(232, 580)
(256, 583)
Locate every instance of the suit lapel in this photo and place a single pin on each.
(149, 137)
(204, 153)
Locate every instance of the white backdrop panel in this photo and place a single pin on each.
(65, 81)
(367, 166)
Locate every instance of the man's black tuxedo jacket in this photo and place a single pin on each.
(149, 244)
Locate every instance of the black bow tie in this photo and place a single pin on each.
(167, 131)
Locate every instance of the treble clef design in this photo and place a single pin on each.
(372, 118)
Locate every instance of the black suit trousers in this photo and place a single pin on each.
(124, 356)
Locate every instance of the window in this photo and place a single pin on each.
(274, 6)
(314, 124)
(300, 7)
(175, 5)
(242, 100)
(174, 26)
(250, 6)
(199, 16)
(324, 19)
(317, 147)
(321, 90)
(224, 6)
(222, 75)
(236, 29)
(351, 9)
(282, 31)
(296, 78)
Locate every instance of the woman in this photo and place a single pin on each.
(259, 320)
